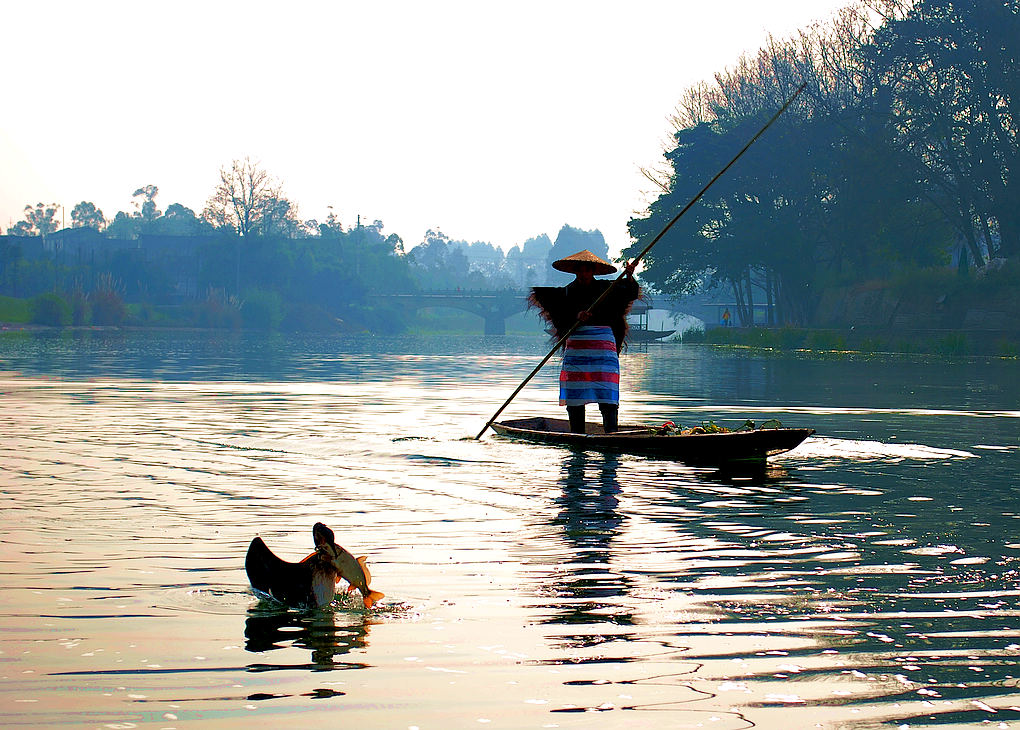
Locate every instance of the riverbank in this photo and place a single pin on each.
(936, 312)
(866, 340)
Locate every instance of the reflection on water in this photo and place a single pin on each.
(588, 513)
(269, 627)
(867, 579)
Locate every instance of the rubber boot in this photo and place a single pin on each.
(610, 416)
(576, 416)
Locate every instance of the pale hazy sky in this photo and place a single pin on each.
(491, 121)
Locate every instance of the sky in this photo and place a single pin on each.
(490, 121)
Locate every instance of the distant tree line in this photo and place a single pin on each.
(247, 201)
(247, 260)
(901, 153)
(439, 262)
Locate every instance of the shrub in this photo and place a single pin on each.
(825, 340)
(790, 338)
(383, 320)
(143, 313)
(309, 318)
(218, 310)
(874, 345)
(108, 308)
(80, 309)
(1008, 348)
(262, 310)
(953, 345)
(928, 284)
(693, 334)
(51, 309)
(107, 304)
(15, 310)
(722, 336)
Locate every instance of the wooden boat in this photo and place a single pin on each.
(707, 449)
(640, 336)
(639, 331)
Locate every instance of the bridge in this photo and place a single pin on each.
(493, 306)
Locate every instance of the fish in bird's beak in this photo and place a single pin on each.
(351, 569)
(355, 571)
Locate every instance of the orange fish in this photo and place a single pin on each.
(355, 571)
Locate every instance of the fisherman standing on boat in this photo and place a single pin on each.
(591, 363)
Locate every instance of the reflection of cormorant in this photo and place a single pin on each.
(315, 630)
(590, 519)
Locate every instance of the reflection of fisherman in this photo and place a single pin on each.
(589, 590)
(591, 364)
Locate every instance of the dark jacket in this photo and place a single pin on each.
(560, 305)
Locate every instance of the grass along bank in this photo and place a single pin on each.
(949, 343)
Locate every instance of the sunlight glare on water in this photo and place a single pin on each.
(868, 579)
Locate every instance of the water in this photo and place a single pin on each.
(870, 580)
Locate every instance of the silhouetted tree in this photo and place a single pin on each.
(248, 200)
(141, 220)
(146, 208)
(87, 215)
(439, 263)
(892, 142)
(570, 240)
(331, 228)
(179, 220)
(40, 220)
(952, 71)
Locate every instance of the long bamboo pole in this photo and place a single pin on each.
(642, 254)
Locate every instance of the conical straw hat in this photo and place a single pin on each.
(584, 260)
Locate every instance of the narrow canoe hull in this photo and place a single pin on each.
(640, 335)
(709, 449)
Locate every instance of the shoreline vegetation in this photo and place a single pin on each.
(863, 341)
(16, 320)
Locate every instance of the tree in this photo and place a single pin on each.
(831, 196)
(39, 221)
(331, 228)
(146, 210)
(141, 220)
(951, 70)
(248, 200)
(87, 215)
(570, 240)
(526, 263)
(430, 254)
(180, 220)
(280, 219)
(440, 263)
(123, 225)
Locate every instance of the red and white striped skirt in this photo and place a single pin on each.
(591, 367)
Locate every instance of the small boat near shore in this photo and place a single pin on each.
(750, 446)
(643, 336)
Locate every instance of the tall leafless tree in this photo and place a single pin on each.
(247, 199)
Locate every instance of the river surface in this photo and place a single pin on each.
(870, 579)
